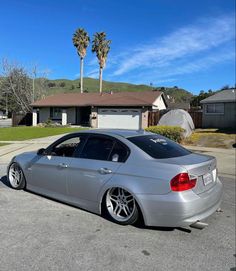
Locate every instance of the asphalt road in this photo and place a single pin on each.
(41, 234)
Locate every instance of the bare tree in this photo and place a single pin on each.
(21, 87)
(16, 83)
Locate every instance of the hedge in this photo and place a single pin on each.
(172, 132)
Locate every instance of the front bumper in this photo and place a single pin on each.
(177, 209)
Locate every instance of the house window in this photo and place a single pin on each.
(215, 108)
(55, 113)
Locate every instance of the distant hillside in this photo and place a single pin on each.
(92, 85)
(180, 95)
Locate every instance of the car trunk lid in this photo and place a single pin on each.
(201, 167)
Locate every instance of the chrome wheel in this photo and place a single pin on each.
(15, 176)
(121, 205)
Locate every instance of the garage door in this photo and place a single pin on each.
(119, 118)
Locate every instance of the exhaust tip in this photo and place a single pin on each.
(199, 225)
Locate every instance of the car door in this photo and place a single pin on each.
(95, 165)
(49, 171)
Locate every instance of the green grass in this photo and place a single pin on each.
(24, 133)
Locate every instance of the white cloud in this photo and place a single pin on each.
(94, 73)
(184, 43)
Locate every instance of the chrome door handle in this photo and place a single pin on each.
(105, 170)
(63, 165)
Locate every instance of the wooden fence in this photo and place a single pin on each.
(154, 117)
(197, 118)
(21, 119)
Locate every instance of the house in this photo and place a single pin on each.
(219, 110)
(109, 110)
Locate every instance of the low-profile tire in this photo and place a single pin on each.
(120, 206)
(16, 176)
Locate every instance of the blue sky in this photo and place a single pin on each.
(189, 44)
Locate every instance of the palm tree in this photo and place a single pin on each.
(81, 41)
(101, 48)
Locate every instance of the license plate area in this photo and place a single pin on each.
(207, 178)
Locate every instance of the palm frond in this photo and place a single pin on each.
(81, 41)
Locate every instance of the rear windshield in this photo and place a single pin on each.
(159, 147)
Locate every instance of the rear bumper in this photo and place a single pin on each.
(177, 209)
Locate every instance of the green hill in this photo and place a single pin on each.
(92, 85)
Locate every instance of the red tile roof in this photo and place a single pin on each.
(146, 98)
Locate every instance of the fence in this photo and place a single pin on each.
(154, 117)
(21, 119)
(197, 118)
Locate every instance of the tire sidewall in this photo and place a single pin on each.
(22, 183)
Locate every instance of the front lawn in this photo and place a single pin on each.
(24, 133)
(212, 138)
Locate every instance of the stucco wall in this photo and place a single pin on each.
(144, 118)
(159, 103)
(226, 120)
(44, 114)
(71, 115)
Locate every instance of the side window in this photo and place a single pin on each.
(97, 148)
(119, 153)
(68, 147)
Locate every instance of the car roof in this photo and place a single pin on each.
(120, 132)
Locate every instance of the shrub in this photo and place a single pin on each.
(62, 84)
(51, 84)
(172, 132)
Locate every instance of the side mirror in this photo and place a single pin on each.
(41, 151)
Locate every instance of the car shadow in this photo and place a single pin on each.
(155, 228)
(4, 181)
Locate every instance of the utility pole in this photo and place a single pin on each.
(33, 86)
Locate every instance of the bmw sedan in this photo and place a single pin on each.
(125, 175)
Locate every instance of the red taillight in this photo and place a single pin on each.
(182, 182)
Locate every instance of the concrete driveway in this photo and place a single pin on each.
(37, 233)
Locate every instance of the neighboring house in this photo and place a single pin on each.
(109, 110)
(219, 110)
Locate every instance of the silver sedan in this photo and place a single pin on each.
(124, 174)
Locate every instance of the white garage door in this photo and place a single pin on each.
(119, 118)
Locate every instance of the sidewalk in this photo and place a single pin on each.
(17, 147)
(225, 157)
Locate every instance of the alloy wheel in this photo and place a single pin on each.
(120, 204)
(15, 175)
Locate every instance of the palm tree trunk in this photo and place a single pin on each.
(81, 73)
(100, 80)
